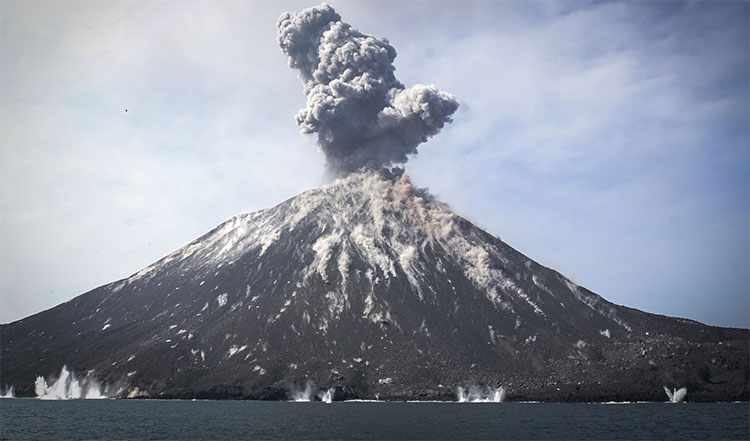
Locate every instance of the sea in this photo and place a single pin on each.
(30, 419)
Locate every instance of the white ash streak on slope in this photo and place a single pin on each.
(378, 216)
(405, 222)
(362, 114)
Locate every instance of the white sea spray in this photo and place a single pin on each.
(68, 387)
(477, 395)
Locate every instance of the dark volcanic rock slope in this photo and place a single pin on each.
(371, 286)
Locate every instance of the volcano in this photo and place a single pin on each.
(371, 288)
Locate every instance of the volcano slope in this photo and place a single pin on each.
(371, 286)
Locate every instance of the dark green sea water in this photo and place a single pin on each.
(28, 419)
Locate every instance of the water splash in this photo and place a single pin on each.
(303, 395)
(327, 395)
(95, 391)
(10, 392)
(676, 395)
(477, 395)
(68, 387)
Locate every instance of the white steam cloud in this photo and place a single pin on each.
(363, 115)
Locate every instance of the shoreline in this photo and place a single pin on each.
(608, 403)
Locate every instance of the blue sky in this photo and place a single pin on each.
(606, 140)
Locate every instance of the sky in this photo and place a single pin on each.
(606, 140)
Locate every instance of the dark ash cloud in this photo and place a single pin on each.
(362, 114)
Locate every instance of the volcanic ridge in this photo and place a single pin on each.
(367, 288)
(372, 287)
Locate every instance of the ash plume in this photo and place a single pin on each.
(363, 115)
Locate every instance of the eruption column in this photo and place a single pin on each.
(363, 115)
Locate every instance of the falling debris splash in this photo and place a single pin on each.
(305, 394)
(9, 392)
(477, 395)
(327, 395)
(676, 395)
(68, 387)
